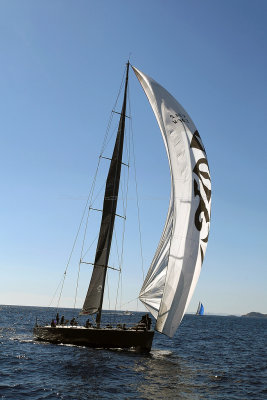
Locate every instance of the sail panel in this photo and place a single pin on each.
(175, 268)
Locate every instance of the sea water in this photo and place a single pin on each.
(210, 357)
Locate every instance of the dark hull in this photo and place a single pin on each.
(106, 338)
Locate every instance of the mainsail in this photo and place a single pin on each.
(174, 271)
(200, 309)
(94, 298)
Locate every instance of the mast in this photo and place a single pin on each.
(95, 294)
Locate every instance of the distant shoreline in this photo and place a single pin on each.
(255, 315)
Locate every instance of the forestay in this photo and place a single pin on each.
(94, 297)
(176, 266)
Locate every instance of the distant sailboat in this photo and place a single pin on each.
(200, 309)
(175, 268)
(127, 313)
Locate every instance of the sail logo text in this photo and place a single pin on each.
(203, 175)
(179, 117)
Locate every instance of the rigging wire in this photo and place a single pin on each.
(125, 203)
(104, 145)
(128, 152)
(121, 294)
(106, 142)
(79, 228)
(130, 301)
(55, 292)
(84, 254)
(108, 292)
(89, 201)
(137, 199)
(79, 268)
(119, 166)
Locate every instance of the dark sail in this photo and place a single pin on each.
(94, 298)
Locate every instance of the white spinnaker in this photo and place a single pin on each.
(175, 268)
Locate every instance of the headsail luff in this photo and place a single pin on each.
(176, 266)
(94, 298)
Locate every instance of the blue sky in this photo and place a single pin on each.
(61, 65)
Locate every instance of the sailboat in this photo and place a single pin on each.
(200, 309)
(175, 268)
(127, 313)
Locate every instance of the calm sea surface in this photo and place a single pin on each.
(210, 357)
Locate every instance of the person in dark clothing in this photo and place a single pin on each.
(73, 322)
(62, 320)
(145, 322)
(141, 324)
(53, 323)
(149, 321)
(88, 324)
(57, 318)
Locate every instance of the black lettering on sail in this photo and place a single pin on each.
(196, 142)
(179, 117)
(205, 240)
(203, 174)
(201, 208)
(202, 254)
